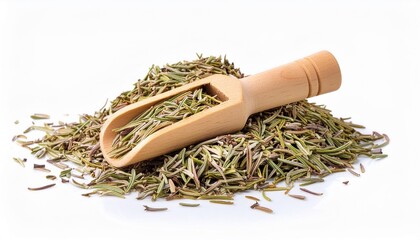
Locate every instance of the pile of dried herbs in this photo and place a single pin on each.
(159, 116)
(300, 141)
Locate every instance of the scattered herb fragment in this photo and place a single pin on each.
(151, 209)
(38, 116)
(189, 204)
(66, 173)
(41, 167)
(41, 188)
(50, 177)
(311, 192)
(257, 206)
(300, 197)
(253, 198)
(265, 196)
(20, 161)
(221, 202)
(264, 209)
(353, 172)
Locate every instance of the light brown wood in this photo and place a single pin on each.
(310, 76)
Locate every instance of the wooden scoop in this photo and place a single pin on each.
(310, 76)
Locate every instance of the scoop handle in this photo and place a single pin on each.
(310, 76)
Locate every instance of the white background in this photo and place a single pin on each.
(68, 57)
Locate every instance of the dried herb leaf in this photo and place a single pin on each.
(189, 204)
(41, 188)
(222, 202)
(264, 209)
(253, 198)
(300, 197)
(353, 172)
(257, 206)
(213, 197)
(38, 116)
(65, 173)
(51, 177)
(265, 196)
(20, 161)
(311, 192)
(151, 209)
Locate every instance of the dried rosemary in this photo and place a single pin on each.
(159, 116)
(257, 206)
(253, 198)
(41, 188)
(189, 204)
(151, 209)
(300, 197)
(222, 202)
(298, 141)
(311, 192)
(362, 168)
(38, 116)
